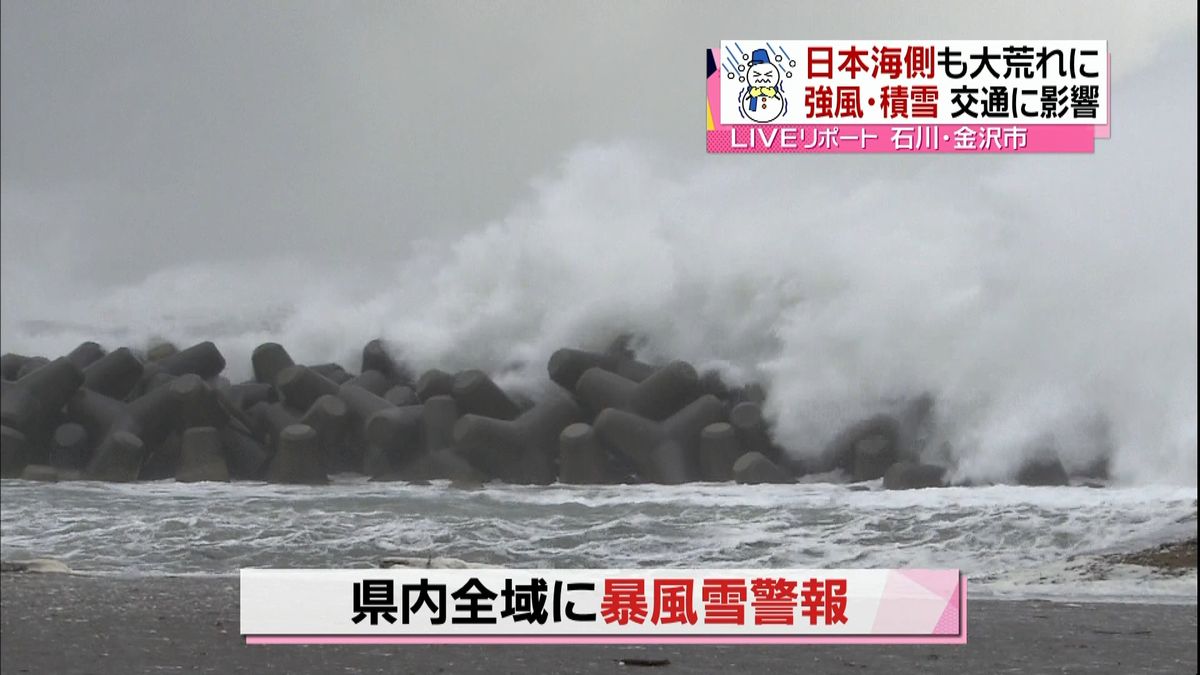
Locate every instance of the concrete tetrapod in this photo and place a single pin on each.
(375, 356)
(478, 394)
(268, 360)
(196, 403)
(661, 452)
(394, 438)
(201, 457)
(85, 354)
(359, 455)
(203, 359)
(69, 447)
(244, 456)
(329, 417)
(300, 386)
(115, 374)
(31, 402)
(720, 448)
(581, 458)
(14, 452)
(432, 383)
(373, 381)
(151, 416)
(866, 448)
(31, 365)
(657, 397)
(118, 459)
(401, 394)
(754, 468)
(522, 450)
(913, 476)
(297, 460)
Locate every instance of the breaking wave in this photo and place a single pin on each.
(1044, 302)
(1010, 541)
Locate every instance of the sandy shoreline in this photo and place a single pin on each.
(52, 623)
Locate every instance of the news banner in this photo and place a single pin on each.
(731, 606)
(907, 96)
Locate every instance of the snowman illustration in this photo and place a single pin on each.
(762, 100)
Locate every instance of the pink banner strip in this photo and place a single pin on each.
(959, 639)
(951, 139)
(944, 138)
(562, 639)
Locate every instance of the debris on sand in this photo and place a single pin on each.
(1173, 558)
(643, 662)
(36, 566)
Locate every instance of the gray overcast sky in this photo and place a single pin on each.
(137, 135)
(253, 171)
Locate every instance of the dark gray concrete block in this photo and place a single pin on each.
(32, 401)
(69, 447)
(720, 448)
(115, 374)
(118, 459)
(432, 383)
(401, 394)
(10, 365)
(839, 453)
(438, 417)
(748, 423)
(245, 395)
(14, 452)
(202, 458)
(755, 468)
(41, 473)
(566, 366)
(638, 439)
(373, 381)
(656, 397)
(581, 457)
(268, 360)
(912, 476)
(378, 356)
(245, 457)
(329, 416)
(196, 404)
(203, 359)
(332, 371)
(297, 460)
(32, 364)
(270, 419)
(300, 386)
(523, 450)
(394, 438)
(1042, 471)
(85, 354)
(478, 394)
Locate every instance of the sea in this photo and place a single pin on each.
(1010, 542)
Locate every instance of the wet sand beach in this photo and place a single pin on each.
(52, 623)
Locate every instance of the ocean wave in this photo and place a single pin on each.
(1008, 540)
